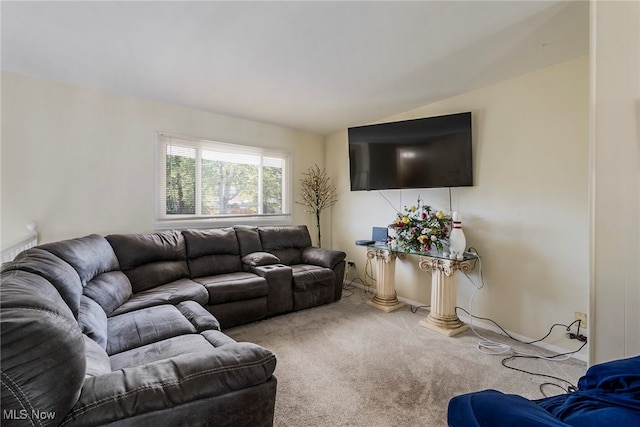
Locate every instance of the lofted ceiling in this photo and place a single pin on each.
(314, 66)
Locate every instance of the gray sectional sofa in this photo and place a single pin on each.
(127, 329)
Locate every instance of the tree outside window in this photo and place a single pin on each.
(213, 180)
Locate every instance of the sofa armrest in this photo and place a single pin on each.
(323, 257)
(171, 382)
(280, 291)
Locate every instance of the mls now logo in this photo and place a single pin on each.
(23, 414)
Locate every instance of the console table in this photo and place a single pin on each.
(442, 317)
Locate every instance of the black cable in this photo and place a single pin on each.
(368, 267)
(504, 363)
(571, 387)
(346, 289)
(417, 308)
(568, 328)
(541, 388)
(348, 286)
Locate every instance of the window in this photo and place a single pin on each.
(205, 183)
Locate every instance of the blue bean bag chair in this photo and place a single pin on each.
(607, 395)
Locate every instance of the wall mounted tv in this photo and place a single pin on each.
(420, 153)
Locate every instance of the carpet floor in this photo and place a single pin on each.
(348, 364)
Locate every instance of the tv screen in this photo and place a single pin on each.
(421, 153)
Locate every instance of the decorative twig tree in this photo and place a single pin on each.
(317, 194)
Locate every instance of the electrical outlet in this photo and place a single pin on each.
(582, 317)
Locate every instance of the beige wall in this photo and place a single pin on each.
(615, 186)
(80, 161)
(527, 214)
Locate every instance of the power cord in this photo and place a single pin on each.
(367, 282)
(569, 335)
(348, 286)
(415, 309)
(488, 346)
(570, 388)
(577, 336)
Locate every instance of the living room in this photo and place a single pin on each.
(553, 211)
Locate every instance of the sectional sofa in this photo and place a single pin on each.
(127, 329)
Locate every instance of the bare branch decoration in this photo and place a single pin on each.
(317, 193)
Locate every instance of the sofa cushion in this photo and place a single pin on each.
(248, 239)
(217, 338)
(90, 255)
(284, 237)
(211, 252)
(214, 264)
(109, 290)
(259, 259)
(145, 326)
(93, 321)
(288, 256)
(57, 271)
(198, 316)
(217, 241)
(151, 260)
(97, 359)
(165, 349)
(134, 250)
(225, 288)
(285, 242)
(150, 276)
(170, 293)
(308, 277)
(43, 354)
(172, 384)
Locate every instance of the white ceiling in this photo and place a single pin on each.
(314, 66)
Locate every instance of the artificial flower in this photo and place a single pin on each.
(419, 229)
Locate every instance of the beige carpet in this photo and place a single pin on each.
(348, 364)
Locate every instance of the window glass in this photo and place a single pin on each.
(180, 180)
(209, 182)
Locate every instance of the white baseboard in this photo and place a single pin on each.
(491, 327)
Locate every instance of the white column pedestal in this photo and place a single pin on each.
(386, 298)
(443, 317)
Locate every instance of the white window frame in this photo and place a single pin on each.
(164, 221)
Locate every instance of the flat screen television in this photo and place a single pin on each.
(421, 153)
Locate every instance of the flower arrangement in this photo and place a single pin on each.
(418, 228)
